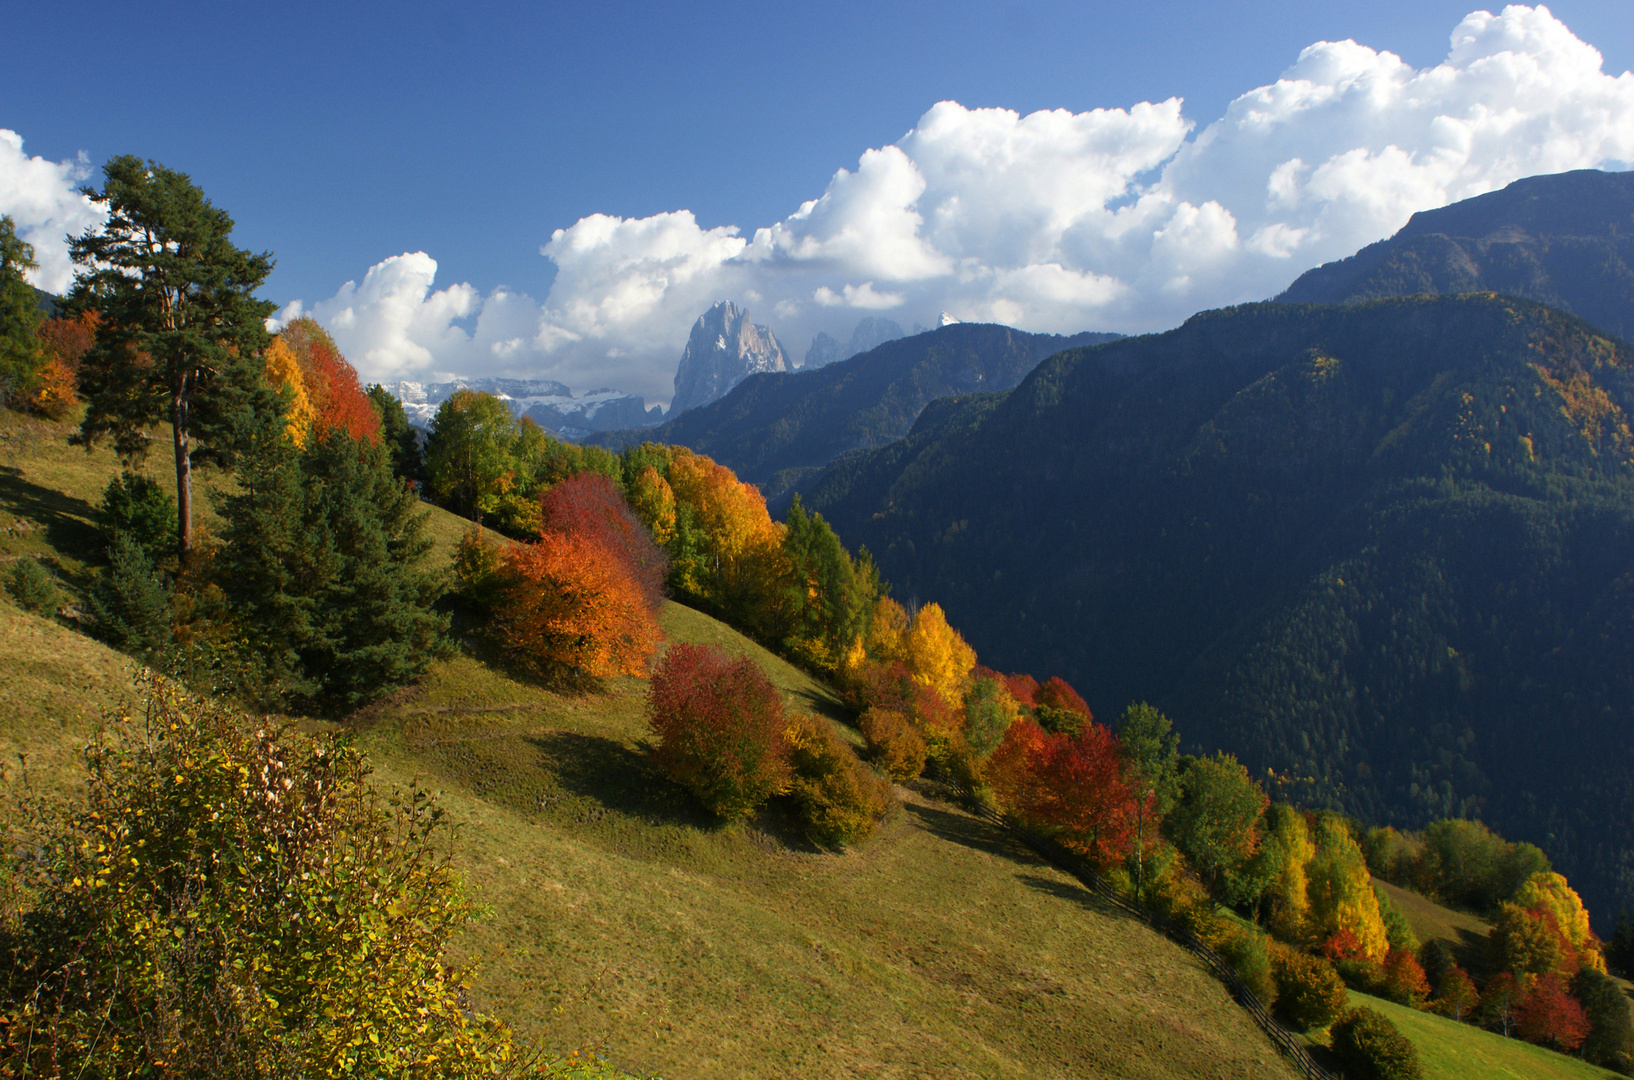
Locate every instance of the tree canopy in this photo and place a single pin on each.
(180, 331)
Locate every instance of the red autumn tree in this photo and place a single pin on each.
(1057, 707)
(720, 727)
(569, 604)
(589, 506)
(1022, 687)
(338, 397)
(1548, 1015)
(1074, 787)
(1404, 981)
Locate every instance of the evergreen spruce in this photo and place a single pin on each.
(321, 568)
(402, 441)
(32, 586)
(136, 506)
(130, 601)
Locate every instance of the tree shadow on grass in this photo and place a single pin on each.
(1072, 892)
(67, 521)
(972, 833)
(619, 778)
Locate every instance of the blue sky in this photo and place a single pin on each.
(340, 135)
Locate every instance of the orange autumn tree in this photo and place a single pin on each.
(589, 506)
(735, 562)
(325, 394)
(63, 341)
(937, 655)
(569, 606)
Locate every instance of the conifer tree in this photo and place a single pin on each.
(20, 317)
(322, 568)
(395, 431)
(180, 331)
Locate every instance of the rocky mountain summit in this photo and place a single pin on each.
(546, 402)
(870, 333)
(724, 349)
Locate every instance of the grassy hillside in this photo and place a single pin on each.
(619, 915)
(1452, 1051)
(1385, 547)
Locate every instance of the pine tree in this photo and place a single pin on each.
(181, 331)
(130, 601)
(400, 438)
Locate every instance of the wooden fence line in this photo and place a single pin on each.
(1079, 867)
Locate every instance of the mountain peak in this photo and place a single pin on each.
(725, 348)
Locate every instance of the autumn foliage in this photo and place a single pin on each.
(589, 506)
(894, 743)
(1548, 1015)
(720, 727)
(1074, 787)
(567, 604)
(323, 391)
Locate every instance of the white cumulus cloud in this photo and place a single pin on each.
(1119, 219)
(42, 199)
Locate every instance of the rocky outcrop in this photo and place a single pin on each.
(725, 348)
(870, 334)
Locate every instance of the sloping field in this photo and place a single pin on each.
(1452, 1051)
(623, 917)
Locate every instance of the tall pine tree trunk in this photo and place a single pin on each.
(184, 475)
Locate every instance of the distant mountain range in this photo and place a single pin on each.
(871, 333)
(779, 430)
(1388, 547)
(548, 403)
(1565, 240)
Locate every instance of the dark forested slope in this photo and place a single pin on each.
(1565, 240)
(777, 429)
(1386, 548)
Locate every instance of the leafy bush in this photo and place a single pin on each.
(989, 712)
(130, 601)
(33, 586)
(228, 899)
(895, 745)
(1370, 1045)
(840, 798)
(589, 506)
(478, 557)
(1310, 993)
(720, 727)
(1248, 951)
(1403, 980)
(140, 508)
(569, 605)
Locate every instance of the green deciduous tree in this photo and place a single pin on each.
(180, 328)
(1215, 820)
(20, 317)
(470, 456)
(830, 596)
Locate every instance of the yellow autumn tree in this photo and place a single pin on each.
(283, 369)
(1287, 896)
(1548, 893)
(1343, 909)
(740, 566)
(653, 501)
(936, 655)
(888, 631)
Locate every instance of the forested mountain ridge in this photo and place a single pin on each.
(1565, 240)
(776, 429)
(1386, 549)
